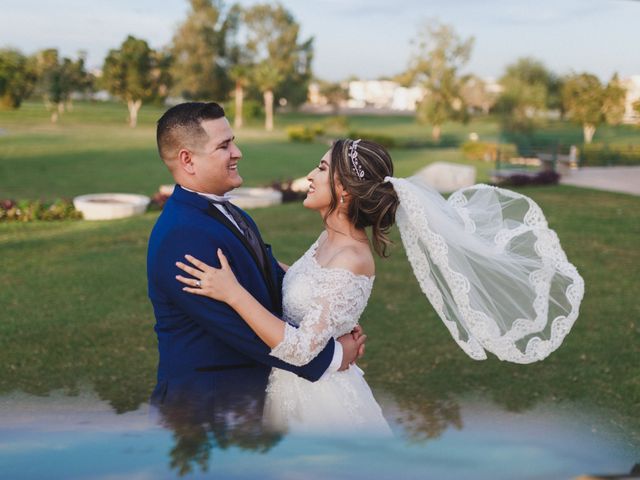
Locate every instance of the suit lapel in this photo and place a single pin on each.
(275, 292)
(267, 272)
(218, 215)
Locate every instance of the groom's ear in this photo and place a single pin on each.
(185, 160)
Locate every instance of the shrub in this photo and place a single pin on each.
(445, 141)
(251, 110)
(336, 124)
(30, 210)
(547, 177)
(480, 151)
(301, 133)
(384, 140)
(487, 151)
(318, 129)
(599, 154)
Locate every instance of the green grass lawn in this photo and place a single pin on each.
(92, 149)
(73, 294)
(88, 152)
(75, 310)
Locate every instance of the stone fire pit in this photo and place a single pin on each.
(108, 206)
(245, 197)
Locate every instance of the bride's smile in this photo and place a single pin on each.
(319, 194)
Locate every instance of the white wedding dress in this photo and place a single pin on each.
(324, 303)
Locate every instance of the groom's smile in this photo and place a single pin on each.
(216, 160)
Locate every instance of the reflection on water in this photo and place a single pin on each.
(61, 436)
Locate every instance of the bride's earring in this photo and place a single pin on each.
(341, 199)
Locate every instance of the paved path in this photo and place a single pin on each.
(613, 179)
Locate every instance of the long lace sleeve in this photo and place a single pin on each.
(325, 304)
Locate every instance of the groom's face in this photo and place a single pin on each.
(215, 159)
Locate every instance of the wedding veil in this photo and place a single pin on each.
(491, 267)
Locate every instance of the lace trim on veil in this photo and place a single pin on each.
(427, 249)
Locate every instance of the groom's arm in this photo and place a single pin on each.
(216, 317)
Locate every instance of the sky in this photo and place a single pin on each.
(365, 38)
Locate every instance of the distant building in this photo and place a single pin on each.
(387, 95)
(314, 97)
(632, 84)
(492, 86)
(383, 94)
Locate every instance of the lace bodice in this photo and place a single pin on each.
(322, 303)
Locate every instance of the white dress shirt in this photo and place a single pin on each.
(334, 366)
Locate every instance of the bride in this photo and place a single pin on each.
(324, 293)
(485, 258)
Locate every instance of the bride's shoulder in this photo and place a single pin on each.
(357, 260)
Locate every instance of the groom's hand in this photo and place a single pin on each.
(351, 348)
(357, 332)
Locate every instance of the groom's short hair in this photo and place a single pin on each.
(181, 126)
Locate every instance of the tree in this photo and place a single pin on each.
(136, 74)
(335, 93)
(475, 95)
(554, 93)
(636, 107)
(17, 78)
(613, 106)
(198, 49)
(295, 86)
(239, 70)
(240, 75)
(81, 80)
(161, 75)
(440, 54)
(58, 78)
(589, 103)
(276, 56)
(267, 77)
(526, 85)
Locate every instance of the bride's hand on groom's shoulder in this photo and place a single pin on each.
(217, 283)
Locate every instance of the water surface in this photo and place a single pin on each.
(82, 437)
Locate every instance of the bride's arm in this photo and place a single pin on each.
(296, 346)
(221, 284)
(283, 266)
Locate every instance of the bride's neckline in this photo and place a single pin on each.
(314, 249)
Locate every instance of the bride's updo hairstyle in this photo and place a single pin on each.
(361, 166)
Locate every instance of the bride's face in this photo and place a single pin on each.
(319, 194)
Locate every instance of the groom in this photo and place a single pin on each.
(209, 357)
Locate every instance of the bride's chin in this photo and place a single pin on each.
(308, 203)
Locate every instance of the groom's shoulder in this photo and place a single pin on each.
(179, 215)
(179, 221)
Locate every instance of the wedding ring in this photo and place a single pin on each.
(198, 284)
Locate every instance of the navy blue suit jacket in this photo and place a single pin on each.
(204, 345)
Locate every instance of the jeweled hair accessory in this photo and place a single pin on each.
(353, 155)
